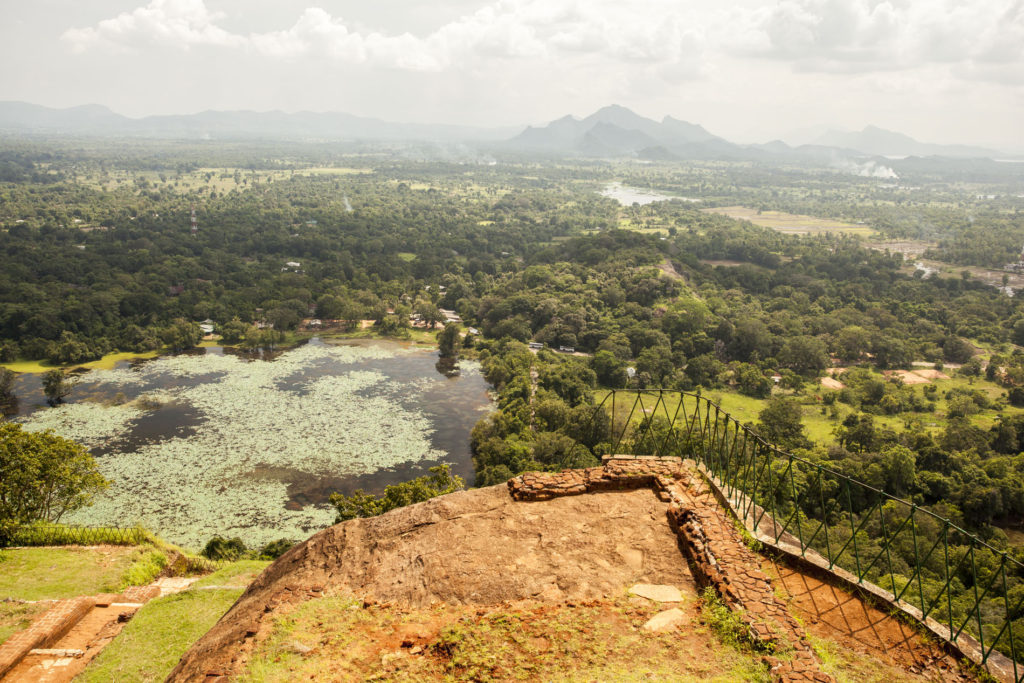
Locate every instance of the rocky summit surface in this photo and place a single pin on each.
(471, 547)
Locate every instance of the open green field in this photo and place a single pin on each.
(219, 179)
(820, 423)
(15, 616)
(107, 362)
(158, 635)
(238, 574)
(48, 573)
(789, 223)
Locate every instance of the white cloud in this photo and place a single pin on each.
(876, 35)
(180, 23)
(655, 35)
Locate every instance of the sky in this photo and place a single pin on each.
(945, 71)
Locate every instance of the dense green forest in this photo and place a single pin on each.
(808, 339)
(96, 255)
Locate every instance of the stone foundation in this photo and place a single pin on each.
(711, 541)
(44, 631)
(55, 622)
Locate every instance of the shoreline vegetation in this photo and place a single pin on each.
(421, 337)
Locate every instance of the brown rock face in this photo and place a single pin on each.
(471, 547)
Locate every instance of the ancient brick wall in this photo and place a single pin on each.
(45, 630)
(712, 543)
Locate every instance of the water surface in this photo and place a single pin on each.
(627, 196)
(213, 442)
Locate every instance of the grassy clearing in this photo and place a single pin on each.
(406, 256)
(417, 335)
(49, 573)
(107, 362)
(790, 223)
(820, 422)
(236, 575)
(336, 170)
(158, 635)
(336, 638)
(17, 616)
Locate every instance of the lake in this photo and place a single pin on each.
(627, 196)
(216, 442)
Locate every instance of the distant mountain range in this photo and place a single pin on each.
(94, 119)
(613, 131)
(878, 141)
(617, 131)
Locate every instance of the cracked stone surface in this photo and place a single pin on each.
(471, 547)
(665, 621)
(657, 593)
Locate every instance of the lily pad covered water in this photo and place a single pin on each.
(212, 443)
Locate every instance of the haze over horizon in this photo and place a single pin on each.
(936, 70)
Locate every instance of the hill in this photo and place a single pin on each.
(877, 141)
(22, 117)
(476, 585)
(616, 131)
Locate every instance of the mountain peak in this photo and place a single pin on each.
(616, 130)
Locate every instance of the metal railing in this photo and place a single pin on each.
(925, 561)
(61, 534)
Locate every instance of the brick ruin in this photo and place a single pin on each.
(60, 618)
(711, 541)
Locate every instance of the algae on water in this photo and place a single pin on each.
(291, 413)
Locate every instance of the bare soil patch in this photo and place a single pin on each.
(931, 374)
(830, 383)
(908, 377)
(529, 640)
(790, 223)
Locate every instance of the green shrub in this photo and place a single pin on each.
(219, 548)
(276, 549)
(362, 504)
(145, 569)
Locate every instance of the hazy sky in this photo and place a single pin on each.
(751, 70)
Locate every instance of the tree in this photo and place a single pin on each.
(899, 463)
(781, 423)
(233, 331)
(448, 341)
(805, 355)
(283, 318)
(957, 349)
(42, 477)
(430, 313)
(752, 381)
(361, 504)
(610, 371)
(56, 386)
(181, 335)
(7, 398)
(851, 342)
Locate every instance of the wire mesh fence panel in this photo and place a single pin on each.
(923, 560)
(60, 534)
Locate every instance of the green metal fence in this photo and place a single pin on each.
(925, 561)
(60, 534)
